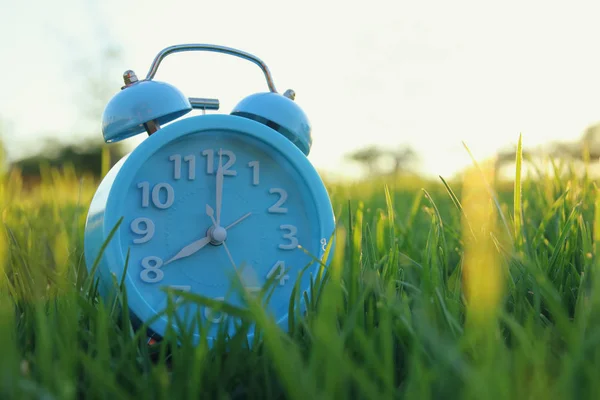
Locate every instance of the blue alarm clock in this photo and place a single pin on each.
(205, 198)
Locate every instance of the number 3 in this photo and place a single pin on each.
(291, 236)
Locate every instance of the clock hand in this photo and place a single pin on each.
(247, 275)
(190, 249)
(199, 244)
(229, 255)
(234, 223)
(244, 277)
(219, 196)
(211, 213)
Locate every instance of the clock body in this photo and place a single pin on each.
(272, 210)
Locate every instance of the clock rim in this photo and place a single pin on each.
(131, 164)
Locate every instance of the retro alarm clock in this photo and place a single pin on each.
(206, 197)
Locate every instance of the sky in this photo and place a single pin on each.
(428, 74)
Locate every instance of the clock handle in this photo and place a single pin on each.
(210, 47)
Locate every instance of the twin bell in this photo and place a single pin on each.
(146, 105)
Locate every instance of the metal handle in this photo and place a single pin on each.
(204, 104)
(210, 47)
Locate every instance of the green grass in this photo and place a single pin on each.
(464, 289)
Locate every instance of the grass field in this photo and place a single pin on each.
(465, 289)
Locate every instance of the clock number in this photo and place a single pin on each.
(276, 208)
(145, 193)
(156, 195)
(324, 244)
(142, 226)
(145, 186)
(186, 288)
(282, 277)
(176, 158)
(291, 236)
(152, 272)
(229, 162)
(190, 159)
(255, 165)
(212, 316)
(210, 161)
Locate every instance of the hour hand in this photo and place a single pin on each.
(190, 249)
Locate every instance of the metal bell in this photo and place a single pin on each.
(145, 105)
(142, 106)
(280, 113)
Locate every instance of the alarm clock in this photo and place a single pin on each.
(206, 198)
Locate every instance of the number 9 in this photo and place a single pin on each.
(147, 231)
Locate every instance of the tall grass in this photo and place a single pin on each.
(449, 289)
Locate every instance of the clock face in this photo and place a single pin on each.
(211, 205)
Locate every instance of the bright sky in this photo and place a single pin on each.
(429, 74)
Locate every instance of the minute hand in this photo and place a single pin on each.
(219, 198)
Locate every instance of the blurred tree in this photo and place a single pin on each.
(587, 145)
(403, 158)
(85, 157)
(368, 157)
(98, 83)
(591, 141)
(378, 161)
(84, 154)
(95, 82)
(584, 149)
